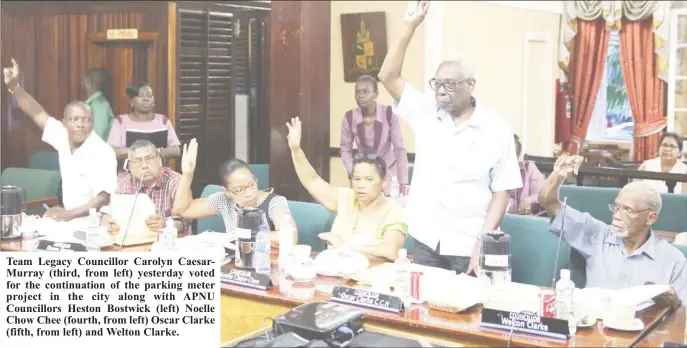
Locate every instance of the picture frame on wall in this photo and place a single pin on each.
(363, 36)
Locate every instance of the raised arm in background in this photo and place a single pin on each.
(322, 191)
(26, 103)
(390, 73)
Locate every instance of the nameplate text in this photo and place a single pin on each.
(367, 298)
(529, 323)
(245, 277)
(46, 245)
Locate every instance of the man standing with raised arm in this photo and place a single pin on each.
(465, 159)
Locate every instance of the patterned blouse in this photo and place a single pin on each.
(227, 208)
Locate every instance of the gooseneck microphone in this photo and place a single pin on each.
(131, 216)
(560, 237)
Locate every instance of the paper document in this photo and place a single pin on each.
(122, 210)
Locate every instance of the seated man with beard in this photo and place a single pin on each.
(626, 253)
(147, 175)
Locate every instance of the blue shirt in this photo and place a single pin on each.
(610, 266)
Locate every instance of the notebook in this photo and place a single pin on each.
(158, 137)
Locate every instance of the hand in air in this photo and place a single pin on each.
(565, 164)
(188, 157)
(11, 75)
(416, 20)
(294, 136)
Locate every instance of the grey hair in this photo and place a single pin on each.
(140, 144)
(646, 190)
(465, 63)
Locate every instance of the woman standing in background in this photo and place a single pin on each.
(142, 118)
(374, 126)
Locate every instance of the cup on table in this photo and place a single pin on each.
(620, 313)
(301, 252)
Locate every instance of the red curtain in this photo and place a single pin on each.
(587, 63)
(644, 88)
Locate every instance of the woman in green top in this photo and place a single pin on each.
(365, 220)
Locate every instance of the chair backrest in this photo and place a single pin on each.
(592, 200)
(46, 160)
(213, 223)
(673, 216)
(37, 183)
(262, 173)
(595, 201)
(311, 220)
(533, 250)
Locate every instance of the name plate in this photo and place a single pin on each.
(367, 298)
(46, 245)
(533, 324)
(245, 277)
(122, 34)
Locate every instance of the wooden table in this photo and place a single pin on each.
(243, 311)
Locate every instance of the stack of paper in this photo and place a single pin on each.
(131, 212)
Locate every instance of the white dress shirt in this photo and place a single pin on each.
(456, 171)
(89, 170)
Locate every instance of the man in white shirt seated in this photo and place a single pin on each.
(87, 164)
(465, 160)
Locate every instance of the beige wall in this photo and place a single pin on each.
(342, 96)
(494, 36)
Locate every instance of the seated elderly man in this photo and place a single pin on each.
(626, 253)
(147, 175)
(87, 164)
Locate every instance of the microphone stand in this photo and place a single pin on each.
(131, 216)
(560, 237)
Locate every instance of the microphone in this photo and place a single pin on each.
(560, 237)
(131, 215)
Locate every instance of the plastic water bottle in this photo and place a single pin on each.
(92, 230)
(261, 259)
(565, 289)
(285, 247)
(169, 235)
(394, 188)
(402, 274)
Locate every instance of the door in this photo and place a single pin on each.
(126, 62)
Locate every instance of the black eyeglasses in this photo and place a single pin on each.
(449, 85)
(625, 210)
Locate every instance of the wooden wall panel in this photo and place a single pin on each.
(299, 86)
(49, 39)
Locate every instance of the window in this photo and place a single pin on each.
(676, 109)
(612, 118)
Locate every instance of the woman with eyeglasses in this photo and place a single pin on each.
(365, 220)
(374, 126)
(668, 161)
(240, 191)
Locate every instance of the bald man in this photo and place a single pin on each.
(87, 164)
